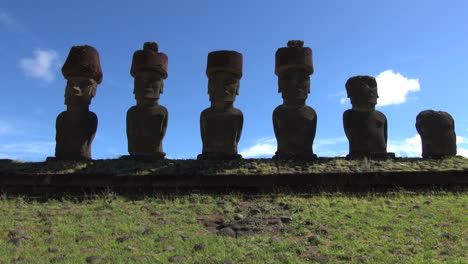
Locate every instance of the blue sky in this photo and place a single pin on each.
(416, 49)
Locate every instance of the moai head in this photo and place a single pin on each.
(224, 71)
(437, 131)
(82, 69)
(293, 66)
(149, 68)
(362, 90)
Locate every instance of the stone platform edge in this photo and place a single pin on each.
(400, 178)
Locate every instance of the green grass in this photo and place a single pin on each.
(428, 226)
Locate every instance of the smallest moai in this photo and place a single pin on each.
(221, 123)
(437, 131)
(365, 127)
(147, 120)
(76, 127)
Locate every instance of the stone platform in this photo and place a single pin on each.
(244, 173)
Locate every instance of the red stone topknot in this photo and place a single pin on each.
(151, 46)
(296, 43)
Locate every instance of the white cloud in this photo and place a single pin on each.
(409, 147)
(462, 140)
(393, 88)
(42, 66)
(263, 147)
(462, 152)
(30, 151)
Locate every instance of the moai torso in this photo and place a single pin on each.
(366, 131)
(76, 127)
(437, 131)
(294, 122)
(74, 134)
(221, 131)
(147, 121)
(146, 129)
(365, 127)
(295, 130)
(221, 123)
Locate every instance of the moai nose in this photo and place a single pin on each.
(76, 89)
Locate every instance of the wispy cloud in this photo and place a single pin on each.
(6, 128)
(393, 88)
(42, 66)
(412, 147)
(331, 147)
(6, 19)
(27, 151)
(266, 147)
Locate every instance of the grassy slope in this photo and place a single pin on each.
(246, 166)
(400, 227)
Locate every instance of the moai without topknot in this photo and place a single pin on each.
(221, 123)
(365, 127)
(294, 122)
(76, 127)
(437, 131)
(147, 120)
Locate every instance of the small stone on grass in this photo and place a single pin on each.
(176, 259)
(199, 247)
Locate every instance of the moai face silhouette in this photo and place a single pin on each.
(294, 122)
(294, 84)
(437, 131)
(362, 91)
(221, 123)
(148, 85)
(223, 86)
(80, 90)
(149, 69)
(365, 128)
(76, 127)
(147, 121)
(82, 69)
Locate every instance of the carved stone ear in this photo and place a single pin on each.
(162, 86)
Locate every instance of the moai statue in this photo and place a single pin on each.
(76, 127)
(147, 120)
(294, 122)
(221, 123)
(437, 131)
(365, 127)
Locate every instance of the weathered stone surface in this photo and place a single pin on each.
(76, 127)
(294, 122)
(147, 121)
(437, 131)
(221, 123)
(365, 127)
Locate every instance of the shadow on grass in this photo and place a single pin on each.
(135, 194)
